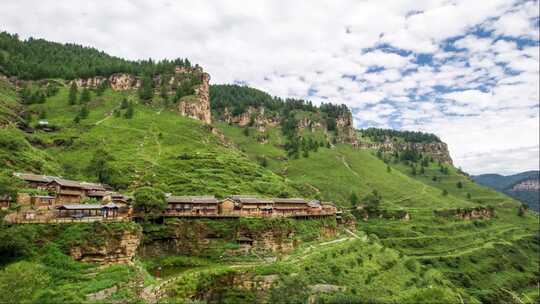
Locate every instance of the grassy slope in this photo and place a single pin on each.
(147, 149)
(469, 253)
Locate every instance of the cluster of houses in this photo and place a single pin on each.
(54, 198)
(248, 206)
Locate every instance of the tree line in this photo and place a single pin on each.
(380, 135)
(38, 58)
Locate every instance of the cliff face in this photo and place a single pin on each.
(119, 248)
(207, 238)
(438, 150)
(255, 116)
(346, 132)
(468, 213)
(198, 107)
(195, 106)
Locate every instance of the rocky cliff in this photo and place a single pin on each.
(230, 237)
(115, 248)
(198, 105)
(438, 150)
(468, 213)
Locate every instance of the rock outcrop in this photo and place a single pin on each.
(198, 106)
(115, 249)
(254, 117)
(200, 237)
(468, 213)
(346, 132)
(195, 106)
(438, 150)
(527, 185)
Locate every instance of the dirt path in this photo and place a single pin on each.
(346, 164)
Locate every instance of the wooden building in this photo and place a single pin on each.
(66, 191)
(192, 205)
(42, 201)
(253, 206)
(290, 206)
(34, 180)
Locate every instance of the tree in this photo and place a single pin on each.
(388, 169)
(354, 199)
(422, 170)
(100, 166)
(468, 195)
(22, 281)
(372, 201)
(83, 113)
(149, 201)
(129, 111)
(445, 192)
(85, 95)
(145, 90)
(77, 119)
(104, 85)
(413, 170)
(246, 131)
(9, 184)
(72, 98)
(124, 104)
(459, 184)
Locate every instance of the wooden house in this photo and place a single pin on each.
(253, 206)
(34, 180)
(290, 206)
(228, 206)
(192, 205)
(66, 191)
(314, 207)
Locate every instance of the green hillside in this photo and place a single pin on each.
(416, 230)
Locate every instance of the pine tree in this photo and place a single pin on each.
(85, 95)
(73, 93)
(84, 112)
(145, 90)
(130, 111)
(354, 199)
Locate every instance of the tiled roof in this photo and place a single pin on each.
(87, 206)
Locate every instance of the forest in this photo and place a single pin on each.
(380, 135)
(33, 59)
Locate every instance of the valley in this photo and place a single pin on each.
(411, 228)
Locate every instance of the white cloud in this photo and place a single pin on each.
(489, 100)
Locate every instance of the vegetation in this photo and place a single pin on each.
(38, 59)
(149, 201)
(380, 135)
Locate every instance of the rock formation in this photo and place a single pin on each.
(438, 150)
(117, 249)
(198, 106)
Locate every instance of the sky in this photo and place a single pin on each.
(467, 71)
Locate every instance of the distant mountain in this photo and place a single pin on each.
(524, 186)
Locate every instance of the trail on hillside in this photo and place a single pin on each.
(346, 164)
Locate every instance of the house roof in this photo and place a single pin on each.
(250, 200)
(93, 186)
(192, 199)
(35, 177)
(66, 183)
(98, 193)
(314, 203)
(290, 200)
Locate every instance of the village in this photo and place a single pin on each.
(52, 199)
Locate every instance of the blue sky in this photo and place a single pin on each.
(465, 70)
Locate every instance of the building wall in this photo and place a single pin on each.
(226, 207)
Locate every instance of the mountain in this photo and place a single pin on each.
(523, 186)
(415, 229)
